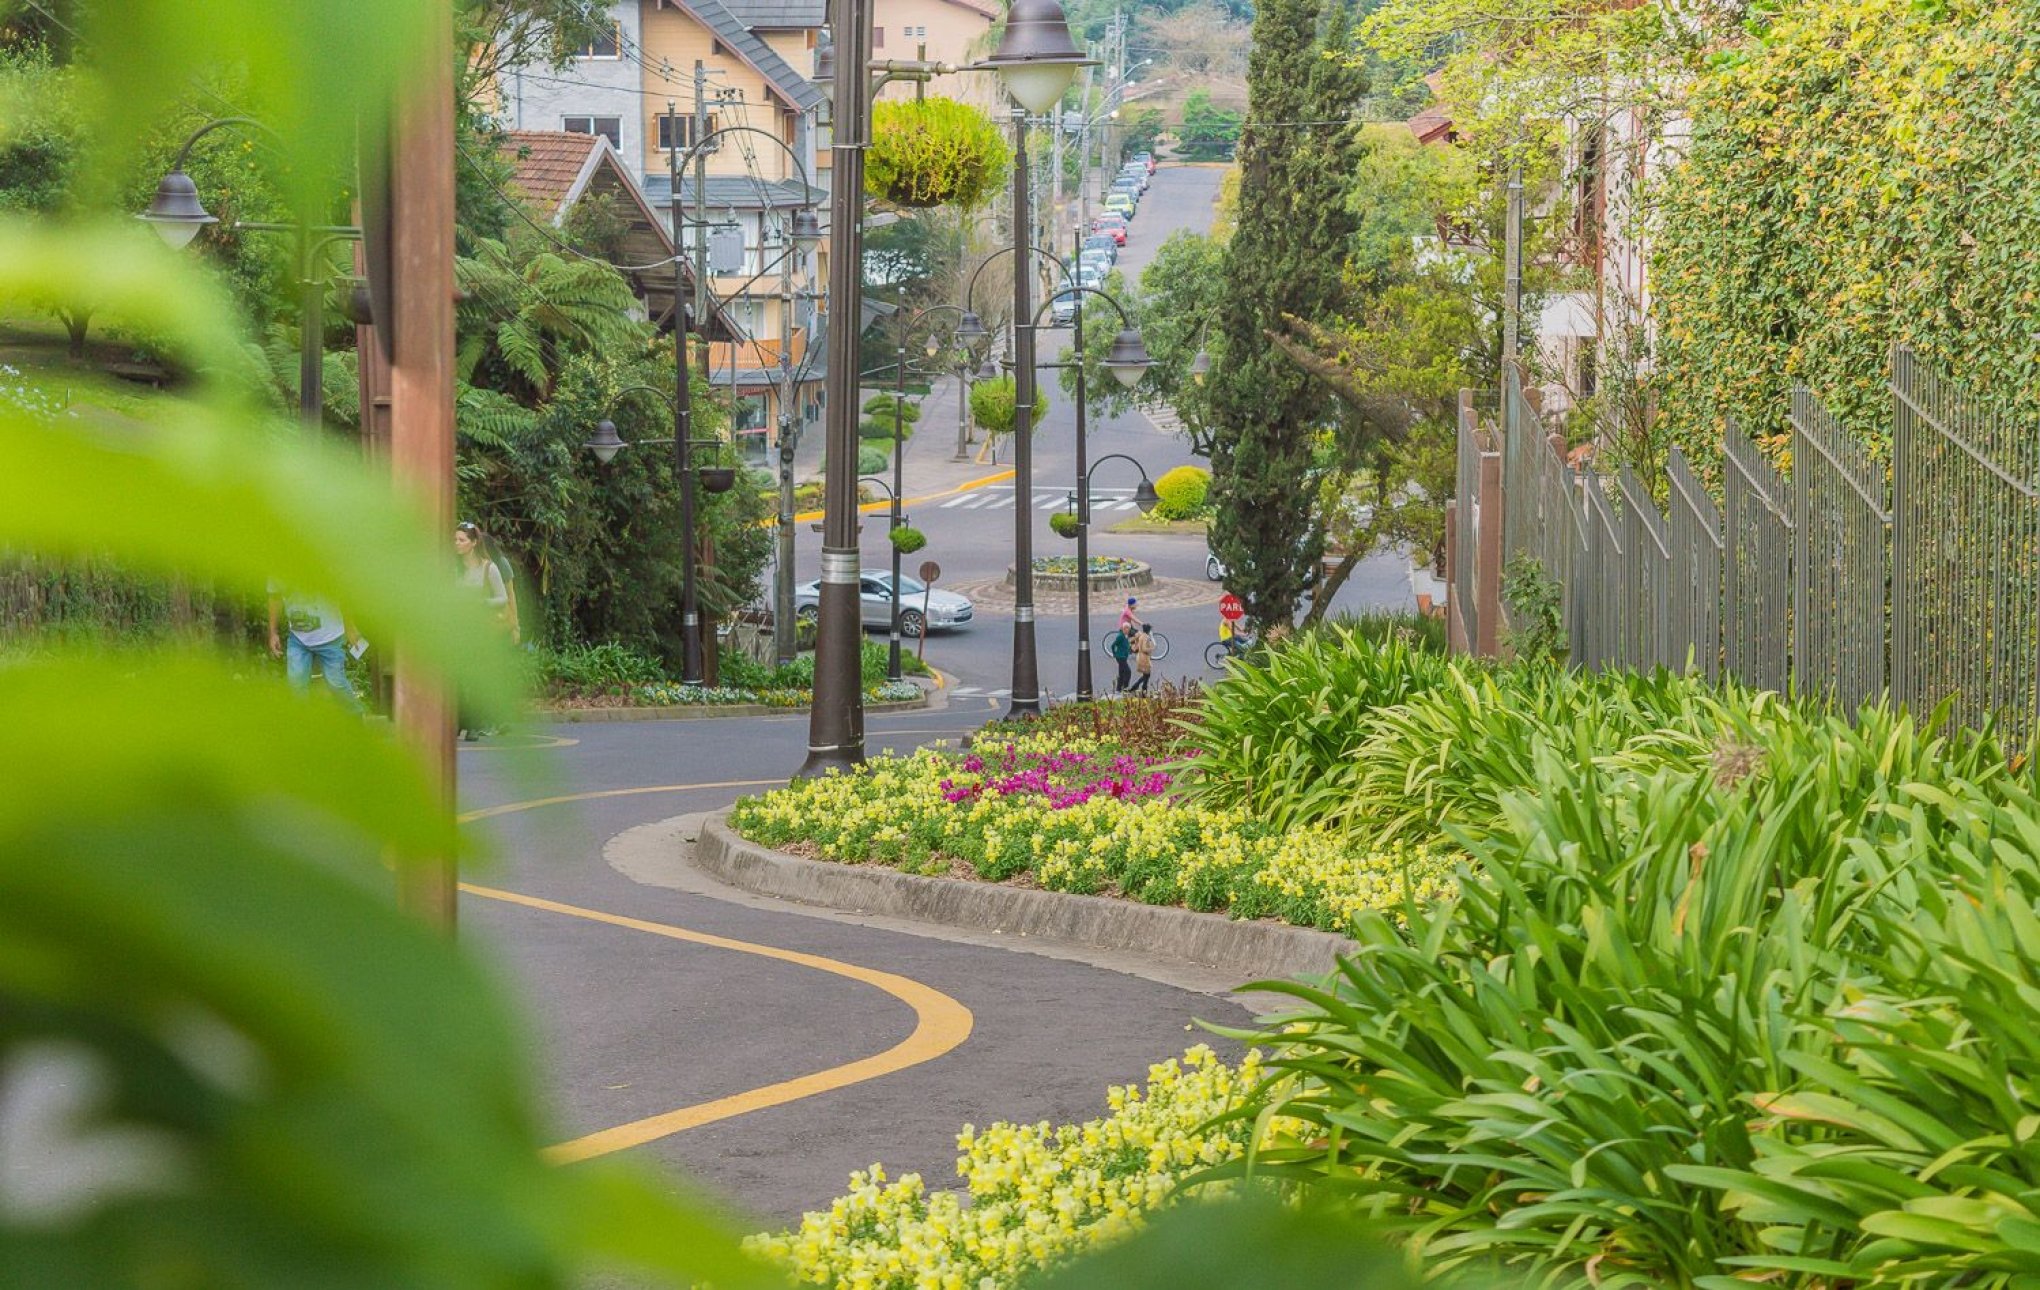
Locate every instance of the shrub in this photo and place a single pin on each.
(933, 152)
(872, 461)
(880, 407)
(877, 428)
(1064, 524)
(992, 405)
(602, 668)
(1183, 492)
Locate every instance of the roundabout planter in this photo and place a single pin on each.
(1117, 575)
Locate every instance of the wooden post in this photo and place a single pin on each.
(1455, 628)
(1487, 569)
(421, 403)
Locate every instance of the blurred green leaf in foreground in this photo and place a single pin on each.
(226, 1059)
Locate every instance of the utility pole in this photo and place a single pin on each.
(1512, 268)
(785, 636)
(421, 409)
(683, 419)
(836, 718)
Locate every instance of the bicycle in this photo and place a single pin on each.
(1216, 653)
(1161, 646)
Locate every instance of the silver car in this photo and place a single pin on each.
(943, 609)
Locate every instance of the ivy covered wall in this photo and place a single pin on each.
(1863, 172)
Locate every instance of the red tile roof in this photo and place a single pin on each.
(549, 163)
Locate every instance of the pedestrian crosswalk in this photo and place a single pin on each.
(1162, 417)
(1001, 497)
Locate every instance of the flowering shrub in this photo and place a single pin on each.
(1080, 817)
(1066, 565)
(1033, 1195)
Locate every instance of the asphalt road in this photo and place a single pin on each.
(971, 533)
(640, 1020)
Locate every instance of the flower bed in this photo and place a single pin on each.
(1100, 564)
(671, 694)
(1076, 815)
(1033, 1195)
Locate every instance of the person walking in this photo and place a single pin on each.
(1143, 641)
(480, 576)
(304, 632)
(1120, 646)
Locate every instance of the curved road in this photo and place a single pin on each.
(633, 1023)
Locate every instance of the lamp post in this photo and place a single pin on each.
(605, 444)
(1037, 60)
(908, 321)
(1128, 361)
(177, 214)
(804, 232)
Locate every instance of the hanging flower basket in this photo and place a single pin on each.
(907, 540)
(1064, 524)
(933, 152)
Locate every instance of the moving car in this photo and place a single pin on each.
(942, 608)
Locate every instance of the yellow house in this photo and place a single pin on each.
(952, 31)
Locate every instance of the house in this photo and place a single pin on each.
(556, 170)
(731, 75)
(957, 32)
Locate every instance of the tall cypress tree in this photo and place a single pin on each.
(1287, 251)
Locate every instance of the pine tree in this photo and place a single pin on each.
(1296, 156)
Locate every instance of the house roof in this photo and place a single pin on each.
(735, 34)
(1434, 123)
(734, 192)
(555, 169)
(779, 15)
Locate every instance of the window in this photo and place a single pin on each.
(609, 127)
(683, 124)
(878, 38)
(607, 45)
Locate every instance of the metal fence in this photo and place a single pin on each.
(1850, 580)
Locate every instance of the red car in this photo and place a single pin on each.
(1112, 226)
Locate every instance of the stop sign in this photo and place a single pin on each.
(1230, 608)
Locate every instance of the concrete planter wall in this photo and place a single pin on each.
(1140, 575)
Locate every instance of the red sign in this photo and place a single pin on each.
(1230, 608)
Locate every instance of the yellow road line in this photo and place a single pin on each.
(940, 1024)
(511, 808)
(872, 508)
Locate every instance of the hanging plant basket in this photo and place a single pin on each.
(907, 539)
(1064, 524)
(933, 152)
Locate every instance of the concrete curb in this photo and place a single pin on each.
(702, 711)
(1257, 950)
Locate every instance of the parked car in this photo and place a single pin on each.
(1112, 226)
(1091, 276)
(1099, 260)
(943, 608)
(1127, 188)
(1214, 569)
(1063, 309)
(1103, 245)
(1121, 204)
(1137, 173)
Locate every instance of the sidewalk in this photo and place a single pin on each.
(928, 462)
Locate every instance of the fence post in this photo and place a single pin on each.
(1455, 629)
(1488, 563)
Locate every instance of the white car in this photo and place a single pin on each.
(1213, 568)
(943, 608)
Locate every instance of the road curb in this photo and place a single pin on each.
(1252, 949)
(702, 711)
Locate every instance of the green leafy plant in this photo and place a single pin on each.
(906, 539)
(992, 405)
(1536, 610)
(933, 152)
(272, 1075)
(1064, 524)
(1182, 492)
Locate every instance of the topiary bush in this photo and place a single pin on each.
(879, 407)
(1183, 492)
(872, 461)
(933, 152)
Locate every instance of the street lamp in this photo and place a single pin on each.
(1200, 366)
(1128, 361)
(1036, 57)
(177, 214)
(908, 321)
(605, 443)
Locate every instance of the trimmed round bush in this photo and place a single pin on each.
(872, 461)
(907, 539)
(1183, 491)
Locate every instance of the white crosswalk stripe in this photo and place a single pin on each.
(958, 500)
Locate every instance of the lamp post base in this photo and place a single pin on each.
(821, 761)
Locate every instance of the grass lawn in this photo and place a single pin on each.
(37, 349)
(1149, 524)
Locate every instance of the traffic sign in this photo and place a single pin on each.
(1231, 608)
(930, 571)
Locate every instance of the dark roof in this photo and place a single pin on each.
(735, 34)
(738, 192)
(779, 15)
